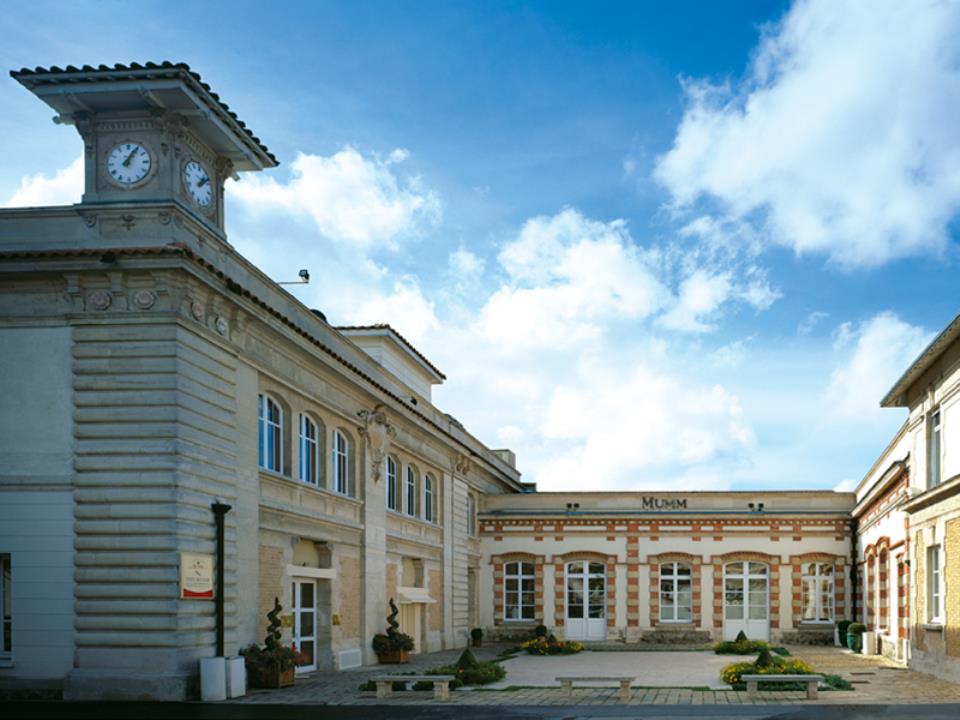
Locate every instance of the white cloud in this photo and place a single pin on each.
(64, 188)
(700, 296)
(568, 277)
(842, 137)
(846, 485)
(810, 322)
(464, 263)
(877, 352)
(405, 308)
(350, 198)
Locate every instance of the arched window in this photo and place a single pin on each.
(309, 451)
(341, 463)
(410, 501)
(676, 592)
(519, 591)
(392, 493)
(428, 513)
(817, 592)
(270, 427)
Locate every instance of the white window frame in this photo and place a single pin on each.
(410, 492)
(820, 579)
(428, 491)
(6, 613)
(391, 474)
(934, 585)
(309, 451)
(268, 429)
(340, 455)
(935, 450)
(518, 576)
(471, 515)
(670, 574)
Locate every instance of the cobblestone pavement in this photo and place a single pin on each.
(876, 679)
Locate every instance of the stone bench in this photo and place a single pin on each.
(568, 681)
(753, 681)
(441, 684)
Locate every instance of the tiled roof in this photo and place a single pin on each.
(401, 338)
(136, 71)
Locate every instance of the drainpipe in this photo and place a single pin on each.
(854, 582)
(219, 511)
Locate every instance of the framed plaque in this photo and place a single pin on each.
(196, 576)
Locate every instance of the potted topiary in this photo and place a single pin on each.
(393, 647)
(855, 633)
(540, 631)
(842, 626)
(476, 635)
(273, 665)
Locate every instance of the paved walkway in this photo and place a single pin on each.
(876, 679)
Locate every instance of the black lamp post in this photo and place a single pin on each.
(219, 511)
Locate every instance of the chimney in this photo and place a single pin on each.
(508, 456)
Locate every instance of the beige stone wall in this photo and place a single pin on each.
(351, 592)
(919, 609)
(392, 574)
(435, 611)
(951, 543)
(271, 585)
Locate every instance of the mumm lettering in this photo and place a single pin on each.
(652, 503)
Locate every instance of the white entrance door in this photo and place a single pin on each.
(586, 600)
(410, 622)
(305, 623)
(746, 600)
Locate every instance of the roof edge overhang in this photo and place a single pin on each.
(896, 396)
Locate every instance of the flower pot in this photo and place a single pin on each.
(393, 657)
(854, 641)
(272, 677)
(477, 642)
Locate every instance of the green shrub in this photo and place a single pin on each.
(740, 647)
(551, 646)
(842, 629)
(741, 637)
(541, 631)
(733, 673)
(856, 628)
(467, 660)
(835, 682)
(764, 659)
(479, 673)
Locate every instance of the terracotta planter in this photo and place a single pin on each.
(393, 657)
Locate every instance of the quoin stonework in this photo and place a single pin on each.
(150, 374)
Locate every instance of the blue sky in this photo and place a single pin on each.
(671, 245)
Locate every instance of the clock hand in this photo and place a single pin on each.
(126, 162)
(203, 182)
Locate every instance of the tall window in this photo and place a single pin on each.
(428, 514)
(817, 592)
(341, 463)
(933, 451)
(933, 583)
(309, 451)
(519, 592)
(411, 499)
(471, 516)
(676, 592)
(6, 608)
(391, 483)
(270, 417)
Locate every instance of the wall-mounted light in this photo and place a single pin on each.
(304, 275)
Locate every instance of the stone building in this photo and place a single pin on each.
(151, 373)
(930, 562)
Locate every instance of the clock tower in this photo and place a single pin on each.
(153, 134)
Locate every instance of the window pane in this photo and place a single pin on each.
(826, 569)
(597, 568)
(809, 595)
(575, 611)
(527, 584)
(306, 623)
(758, 568)
(528, 612)
(526, 598)
(526, 568)
(511, 585)
(734, 611)
(683, 570)
(684, 612)
(758, 612)
(734, 568)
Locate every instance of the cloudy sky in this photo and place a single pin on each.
(674, 245)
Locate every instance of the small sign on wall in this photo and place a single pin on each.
(196, 576)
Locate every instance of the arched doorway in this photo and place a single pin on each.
(586, 600)
(746, 600)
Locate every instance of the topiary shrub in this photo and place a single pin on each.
(764, 659)
(467, 660)
(741, 637)
(739, 647)
(540, 631)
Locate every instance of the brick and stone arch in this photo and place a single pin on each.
(719, 561)
(883, 579)
(870, 592)
(499, 563)
(903, 596)
(797, 563)
(559, 587)
(694, 562)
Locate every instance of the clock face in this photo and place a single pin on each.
(128, 163)
(197, 182)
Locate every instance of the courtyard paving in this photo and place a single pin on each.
(876, 681)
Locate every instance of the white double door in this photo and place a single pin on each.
(746, 600)
(586, 600)
(305, 623)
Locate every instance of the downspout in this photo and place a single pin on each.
(854, 582)
(219, 511)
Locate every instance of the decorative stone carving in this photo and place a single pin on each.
(164, 218)
(378, 432)
(463, 465)
(197, 311)
(222, 325)
(100, 300)
(128, 221)
(144, 299)
(89, 220)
